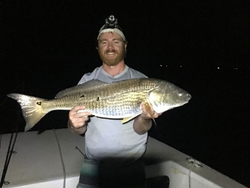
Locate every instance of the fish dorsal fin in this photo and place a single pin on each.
(75, 89)
(91, 83)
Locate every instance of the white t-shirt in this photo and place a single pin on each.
(109, 138)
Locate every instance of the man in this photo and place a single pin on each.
(113, 150)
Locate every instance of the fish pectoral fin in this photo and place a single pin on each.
(127, 119)
(150, 111)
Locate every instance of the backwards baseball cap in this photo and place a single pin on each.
(111, 25)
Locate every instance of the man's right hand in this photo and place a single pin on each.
(77, 118)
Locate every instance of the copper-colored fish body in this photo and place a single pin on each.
(116, 100)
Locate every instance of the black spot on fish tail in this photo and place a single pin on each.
(82, 96)
(97, 99)
(39, 103)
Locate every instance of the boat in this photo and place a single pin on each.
(53, 159)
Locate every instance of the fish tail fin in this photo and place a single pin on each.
(31, 108)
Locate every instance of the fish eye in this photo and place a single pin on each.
(180, 94)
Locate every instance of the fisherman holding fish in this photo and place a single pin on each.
(116, 146)
(119, 106)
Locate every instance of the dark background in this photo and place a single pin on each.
(201, 46)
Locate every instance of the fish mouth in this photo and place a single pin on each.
(184, 96)
(188, 97)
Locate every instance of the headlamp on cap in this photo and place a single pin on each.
(111, 25)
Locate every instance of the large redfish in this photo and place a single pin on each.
(116, 100)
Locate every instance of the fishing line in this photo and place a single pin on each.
(62, 161)
(7, 159)
(80, 151)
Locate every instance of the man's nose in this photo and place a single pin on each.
(110, 45)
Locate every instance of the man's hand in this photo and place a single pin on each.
(148, 112)
(77, 119)
(143, 122)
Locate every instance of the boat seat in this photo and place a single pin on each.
(157, 182)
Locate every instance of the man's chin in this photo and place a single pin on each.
(111, 63)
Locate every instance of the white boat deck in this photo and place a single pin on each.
(37, 163)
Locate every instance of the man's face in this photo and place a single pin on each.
(111, 48)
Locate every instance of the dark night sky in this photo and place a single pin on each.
(46, 46)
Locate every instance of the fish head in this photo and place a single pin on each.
(166, 96)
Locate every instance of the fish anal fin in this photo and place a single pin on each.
(127, 119)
